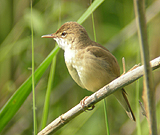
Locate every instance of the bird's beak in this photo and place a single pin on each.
(49, 36)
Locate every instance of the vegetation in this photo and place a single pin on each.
(16, 62)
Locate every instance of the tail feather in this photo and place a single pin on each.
(122, 98)
(129, 110)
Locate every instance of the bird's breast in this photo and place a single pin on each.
(70, 56)
(87, 70)
(74, 65)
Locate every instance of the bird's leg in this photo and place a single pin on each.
(82, 102)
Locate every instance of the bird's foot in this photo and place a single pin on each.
(82, 102)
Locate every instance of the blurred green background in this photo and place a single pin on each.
(15, 60)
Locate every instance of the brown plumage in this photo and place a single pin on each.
(91, 65)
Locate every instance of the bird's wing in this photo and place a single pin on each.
(109, 60)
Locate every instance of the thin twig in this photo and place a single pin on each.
(149, 91)
(116, 84)
(124, 65)
(143, 110)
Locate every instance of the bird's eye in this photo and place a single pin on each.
(63, 34)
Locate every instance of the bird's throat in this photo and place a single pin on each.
(62, 43)
(69, 53)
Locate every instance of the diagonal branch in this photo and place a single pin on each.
(116, 84)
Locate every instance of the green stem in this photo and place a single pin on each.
(33, 80)
(106, 118)
(48, 93)
(138, 123)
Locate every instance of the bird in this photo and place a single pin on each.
(90, 64)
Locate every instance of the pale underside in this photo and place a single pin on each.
(87, 70)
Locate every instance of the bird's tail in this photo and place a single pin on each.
(122, 98)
